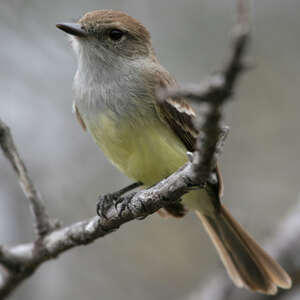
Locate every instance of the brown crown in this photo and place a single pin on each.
(95, 21)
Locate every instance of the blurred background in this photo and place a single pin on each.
(154, 258)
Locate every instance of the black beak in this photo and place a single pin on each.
(73, 29)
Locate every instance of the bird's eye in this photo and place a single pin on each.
(115, 34)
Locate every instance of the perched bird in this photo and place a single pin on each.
(115, 100)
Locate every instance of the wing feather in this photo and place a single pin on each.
(78, 117)
(177, 113)
(180, 116)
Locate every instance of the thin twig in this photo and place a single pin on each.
(42, 222)
(7, 259)
(214, 92)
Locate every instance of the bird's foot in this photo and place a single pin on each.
(105, 202)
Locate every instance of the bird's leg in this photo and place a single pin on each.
(105, 201)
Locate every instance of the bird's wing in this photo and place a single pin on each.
(179, 115)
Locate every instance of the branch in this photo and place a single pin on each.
(7, 259)
(42, 222)
(214, 93)
(21, 261)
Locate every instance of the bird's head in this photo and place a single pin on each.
(109, 35)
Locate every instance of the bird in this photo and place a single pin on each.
(115, 100)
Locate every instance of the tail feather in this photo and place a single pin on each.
(247, 264)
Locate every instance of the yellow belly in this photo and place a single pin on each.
(144, 152)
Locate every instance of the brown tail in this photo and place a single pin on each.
(247, 264)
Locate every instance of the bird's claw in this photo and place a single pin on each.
(104, 204)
